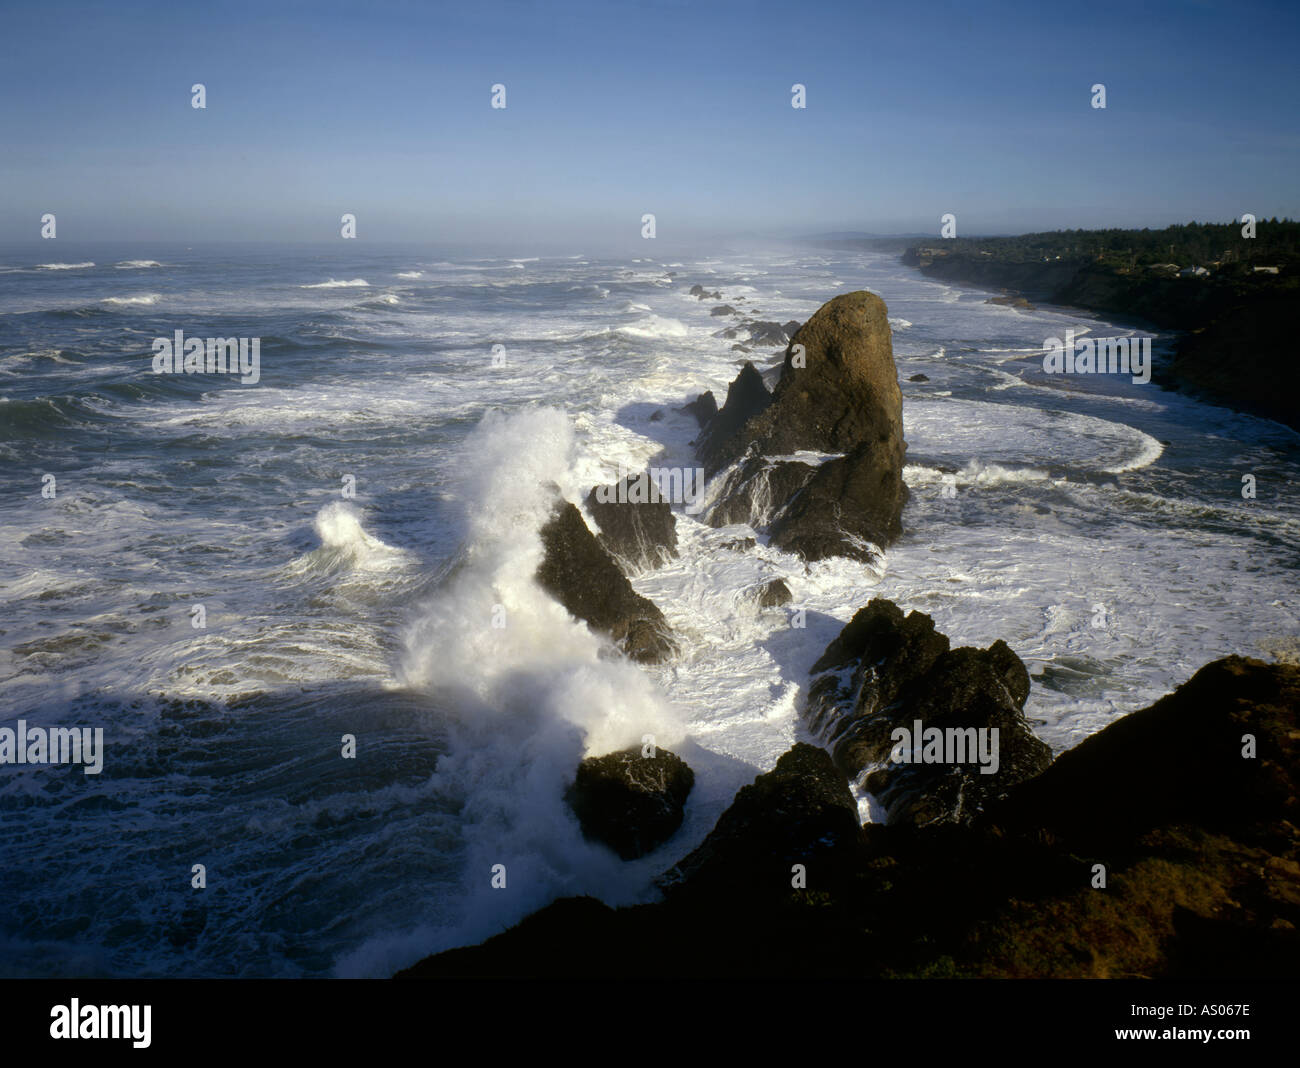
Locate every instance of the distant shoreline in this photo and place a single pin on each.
(1228, 298)
(1233, 316)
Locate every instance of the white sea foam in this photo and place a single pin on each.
(63, 266)
(136, 264)
(141, 299)
(355, 283)
(655, 326)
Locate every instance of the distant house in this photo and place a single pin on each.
(1193, 272)
(1266, 270)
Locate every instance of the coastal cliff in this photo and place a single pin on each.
(1232, 313)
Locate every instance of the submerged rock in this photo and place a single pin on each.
(767, 333)
(579, 573)
(773, 594)
(630, 802)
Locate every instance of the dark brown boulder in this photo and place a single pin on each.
(844, 394)
(754, 492)
(767, 333)
(579, 573)
(630, 802)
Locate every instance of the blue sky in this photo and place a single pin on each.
(672, 107)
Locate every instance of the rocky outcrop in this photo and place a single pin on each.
(704, 407)
(767, 333)
(640, 534)
(723, 309)
(838, 393)
(1222, 751)
(849, 506)
(800, 812)
(756, 491)
(1161, 847)
(774, 593)
(579, 573)
(747, 397)
(631, 802)
(700, 293)
(887, 673)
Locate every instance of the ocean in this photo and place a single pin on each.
(230, 578)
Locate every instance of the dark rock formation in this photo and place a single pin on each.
(631, 803)
(582, 576)
(774, 594)
(700, 293)
(845, 394)
(704, 408)
(723, 309)
(838, 393)
(1011, 302)
(739, 545)
(757, 490)
(801, 812)
(849, 505)
(919, 378)
(900, 671)
(767, 333)
(747, 397)
(1179, 761)
(640, 535)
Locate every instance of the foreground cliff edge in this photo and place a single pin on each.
(1166, 845)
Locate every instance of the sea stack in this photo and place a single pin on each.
(838, 393)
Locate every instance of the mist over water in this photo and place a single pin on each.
(1034, 499)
